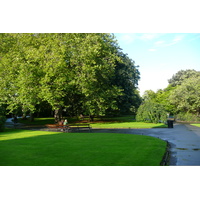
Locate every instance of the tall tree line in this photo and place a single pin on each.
(76, 72)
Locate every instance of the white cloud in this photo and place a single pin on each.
(152, 50)
(128, 37)
(176, 39)
(159, 43)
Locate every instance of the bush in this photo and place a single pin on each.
(151, 112)
(187, 117)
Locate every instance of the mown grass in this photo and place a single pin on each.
(127, 125)
(198, 125)
(40, 148)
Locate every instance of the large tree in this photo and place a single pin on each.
(181, 75)
(126, 78)
(67, 71)
(20, 72)
(95, 66)
(186, 97)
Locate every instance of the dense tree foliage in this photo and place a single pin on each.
(78, 73)
(126, 78)
(186, 97)
(181, 98)
(185, 94)
(151, 110)
(182, 75)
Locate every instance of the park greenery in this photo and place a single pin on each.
(71, 73)
(181, 99)
(51, 76)
(42, 148)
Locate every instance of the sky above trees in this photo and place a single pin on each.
(160, 55)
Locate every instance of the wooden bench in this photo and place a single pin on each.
(78, 127)
(57, 127)
(67, 128)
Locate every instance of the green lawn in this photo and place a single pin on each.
(40, 148)
(127, 125)
(198, 125)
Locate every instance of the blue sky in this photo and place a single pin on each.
(160, 55)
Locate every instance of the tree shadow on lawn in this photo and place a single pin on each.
(160, 126)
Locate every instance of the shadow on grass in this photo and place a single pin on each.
(160, 126)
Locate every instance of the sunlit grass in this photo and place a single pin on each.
(128, 125)
(198, 125)
(10, 134)
(40, 148)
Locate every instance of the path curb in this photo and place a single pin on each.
(166, 157)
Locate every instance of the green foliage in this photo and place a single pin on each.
(180, 98)
(151, 112)
(162, 97)
(182, 75)
(73, 71)
(186, 97)
(126, 78)
(189, 117)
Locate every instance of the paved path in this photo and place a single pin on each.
(184, 141)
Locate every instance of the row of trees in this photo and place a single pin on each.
(79, 73)
(181, 98)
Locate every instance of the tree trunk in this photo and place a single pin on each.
(58, 114)
(31, 117)
(24, 116)
(91, 118)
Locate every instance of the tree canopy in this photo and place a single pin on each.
(77, 72)
(181, 98)
(182, 75)
(186, 97)
(151, 109)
